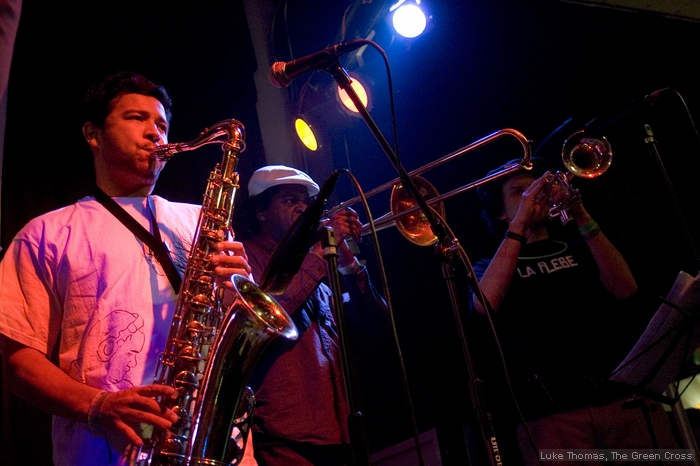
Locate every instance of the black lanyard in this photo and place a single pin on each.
(153, 241)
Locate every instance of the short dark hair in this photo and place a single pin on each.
(491, 193)
(255, 204)
(98, 99)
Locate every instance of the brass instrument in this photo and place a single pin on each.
(211, 350)
(405, 214)
(583, 156)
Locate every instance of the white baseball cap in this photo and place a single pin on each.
(274, 175)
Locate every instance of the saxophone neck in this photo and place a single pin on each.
(230, 133)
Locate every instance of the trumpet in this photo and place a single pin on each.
(583, 156)
(405, 213)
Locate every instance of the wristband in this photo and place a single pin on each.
(522, 239)
(591, 232)
(95, 410)
(588, 226)
(353, 268)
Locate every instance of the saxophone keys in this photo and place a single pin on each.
(186, 382)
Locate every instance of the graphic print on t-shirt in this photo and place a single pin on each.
(120, 339)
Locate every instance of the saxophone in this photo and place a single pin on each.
(211, 350)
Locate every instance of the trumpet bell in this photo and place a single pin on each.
(413, 225)
(585, 156)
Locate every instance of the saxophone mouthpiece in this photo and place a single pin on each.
(165, 152)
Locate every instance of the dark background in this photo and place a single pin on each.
(483, 66)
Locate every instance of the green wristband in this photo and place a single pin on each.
(591, 232)
(588, 226)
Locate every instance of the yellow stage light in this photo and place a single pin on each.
(306, 134)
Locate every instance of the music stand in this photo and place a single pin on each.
(661, 354)
(673, 333)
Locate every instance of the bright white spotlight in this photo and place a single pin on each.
(409, 21)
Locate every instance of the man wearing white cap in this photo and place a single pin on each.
(302, 412)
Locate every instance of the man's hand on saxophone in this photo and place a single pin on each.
(231, 261)
(123, 416)
(117, 416)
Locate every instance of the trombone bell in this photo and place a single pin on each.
(414, 226)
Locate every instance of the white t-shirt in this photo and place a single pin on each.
(76, 283)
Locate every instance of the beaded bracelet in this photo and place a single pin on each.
(522, 239)
(95, 410)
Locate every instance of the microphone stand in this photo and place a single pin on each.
(447, 242)
(678, 410)
(449, 251)
(650, 140)
(358, 436)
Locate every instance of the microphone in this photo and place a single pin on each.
(289, 253)
(600, 124)
(282, 73)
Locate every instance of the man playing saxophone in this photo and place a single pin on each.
(85, 306)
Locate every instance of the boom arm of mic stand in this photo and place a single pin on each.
(345, 83)
(650, 140)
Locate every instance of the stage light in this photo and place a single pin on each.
(306, 134)
(325, 111)
(359, 90)
(409, 20)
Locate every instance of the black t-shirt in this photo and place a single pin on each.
(559, 328)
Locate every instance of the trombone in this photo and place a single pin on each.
(582, 155)
(405, 213)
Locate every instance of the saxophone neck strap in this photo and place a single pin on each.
(153, 241)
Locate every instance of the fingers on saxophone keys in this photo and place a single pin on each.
(232, 260)
(232, 248)
(228, 266)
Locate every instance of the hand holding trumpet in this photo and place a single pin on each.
(549, 196)
(583, 156)
(526, 202)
